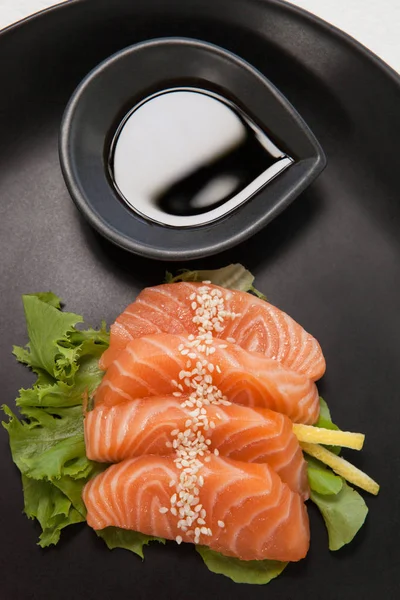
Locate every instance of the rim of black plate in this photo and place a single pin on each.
(287, 6)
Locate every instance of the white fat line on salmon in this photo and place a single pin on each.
(192, 444)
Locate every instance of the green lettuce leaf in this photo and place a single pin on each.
(48, 445)
(115, 537)
(342, 508)
(322, 479)
(54, 511)
(344, 514)
(234, 277)
(56, 394)
(241, 571)
(63, 395)
(73, 488)
(49, 347)
(48, 442)
(48, 298)
(325, 421)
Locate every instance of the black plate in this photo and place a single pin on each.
(332, 260)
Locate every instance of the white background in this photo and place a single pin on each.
(375, 23)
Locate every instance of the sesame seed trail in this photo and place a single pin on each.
(192, 445)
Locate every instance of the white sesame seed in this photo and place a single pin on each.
(163, 510)
(221, 524)
(216, 452)
(191, 446)
(177, 394)
(178, 539)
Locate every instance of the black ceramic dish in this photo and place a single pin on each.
(331, 260)
(113, 88)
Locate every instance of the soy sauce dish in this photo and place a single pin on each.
(177, 149)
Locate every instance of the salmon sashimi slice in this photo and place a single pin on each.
(260, 326)
(248, 511)
(145, 426)
(155, 365)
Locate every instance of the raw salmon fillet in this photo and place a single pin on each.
(152, 366)
(266, 519)
(261, 327)
(145, 426)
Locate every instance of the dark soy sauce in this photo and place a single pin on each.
(186, 157)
